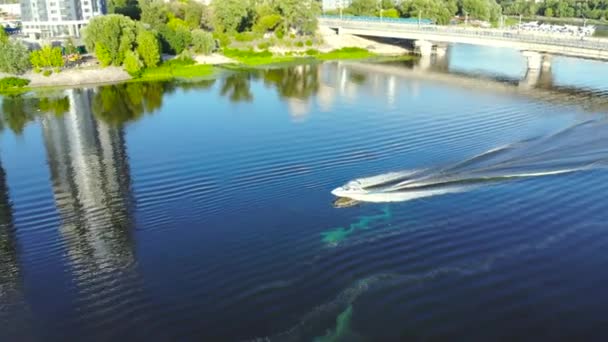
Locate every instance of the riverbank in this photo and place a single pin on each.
(199, 67)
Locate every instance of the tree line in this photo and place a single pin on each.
(442, 11)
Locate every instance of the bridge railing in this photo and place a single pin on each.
(495, 34)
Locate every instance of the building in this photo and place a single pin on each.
(10, 11)
(58, 18)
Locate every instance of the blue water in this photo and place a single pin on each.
(198, 211)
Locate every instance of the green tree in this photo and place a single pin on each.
(229, 15)
(391, 13)
(438, 10)
(194, 14)
(202, 42)
(153, 13)
(267, 23)
(363, 7)
(110, 36)
(487, 10)
(14, 57)
(148, 47)
(300, 15)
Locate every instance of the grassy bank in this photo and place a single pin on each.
(176, 69)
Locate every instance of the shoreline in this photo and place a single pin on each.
(206, 67)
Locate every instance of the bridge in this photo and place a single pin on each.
(428, 38)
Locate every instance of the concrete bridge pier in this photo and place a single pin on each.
(538, 71)
(423, 47)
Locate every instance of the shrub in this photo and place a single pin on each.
(292, 36)
(300, 44)
(391, 13)
(309, 42)
(223, 39)
(13, 82)
(47, 57)
(279, 32)
(47, 73)
(174, 41)
(264, 46)
(202, 42)
(103, 55)
(312, 52)
(132, 64)
(14, 57)
(37, 70)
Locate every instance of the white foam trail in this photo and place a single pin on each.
(577, 148)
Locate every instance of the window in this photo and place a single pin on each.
(86, 10)
(52, 4)
(53, 12)
(85, 2)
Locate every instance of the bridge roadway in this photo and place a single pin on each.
(531, 43)
(588, 99)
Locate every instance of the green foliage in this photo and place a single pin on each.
(103, 55)
(176, 23)
(223, 39)
(245, 37)
(312, 52)
(363, 7)
(267, 23)
(153, 12)
(129, 8)
(346, 53)
(194, 14)
(3, 36)
(202, 42)
(148, 47)
(8, 83)
(122, 103)
(177, 68)
(47, 73)
(300, 44)
(111, 36)
(47, 57)
(391, 13)
(230, 15)
(264, 46)
(300, 15)
(174, 41)
(14, 57)
(441, 11)
(308, 42)
(487, 10)
(132, 64)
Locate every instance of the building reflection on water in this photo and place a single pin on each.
(91, 184)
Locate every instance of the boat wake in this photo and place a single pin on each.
(577, 148)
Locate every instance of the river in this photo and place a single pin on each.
(203, 210)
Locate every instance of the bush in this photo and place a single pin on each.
(37, 70)
(391, 13)
(13, 82)
(14, 57)
(132, 64)
(47, 57)
(202, 42)
(264, 46)
(47, 73)
(309, 42)
(174, 41)
(223, 39)
(103, 55)
(57, 70)
(312, 52)
(300, 44)
(279, 32)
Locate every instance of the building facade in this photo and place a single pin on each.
(58, 18)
